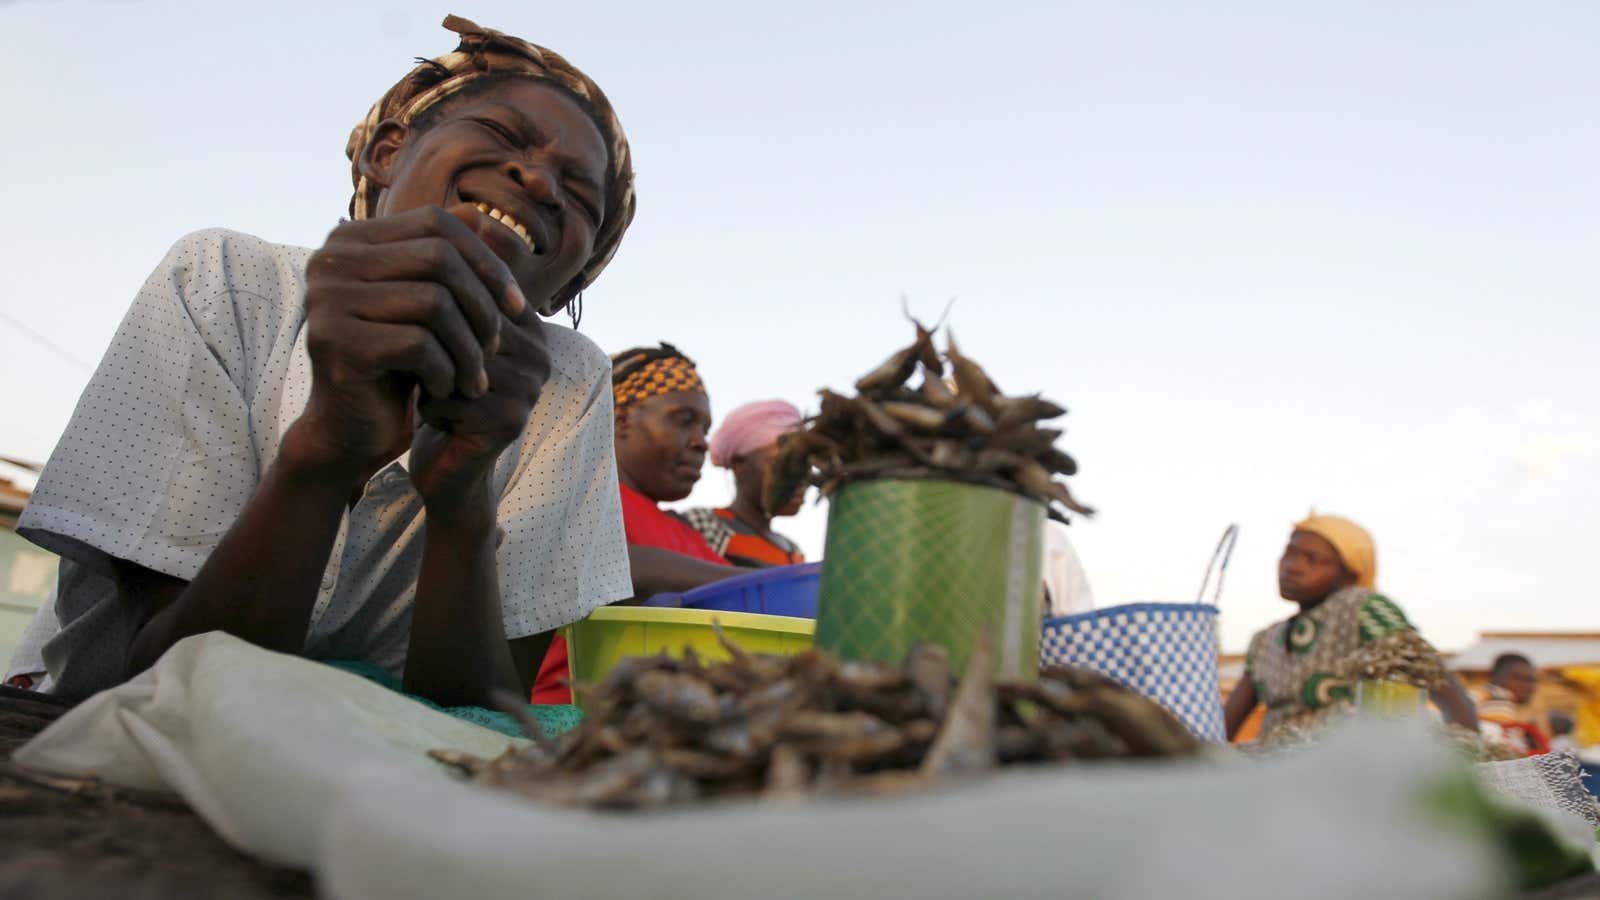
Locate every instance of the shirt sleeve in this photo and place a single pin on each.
(1064, 577)
(156, 461)
(564, 552)
(1378, 616)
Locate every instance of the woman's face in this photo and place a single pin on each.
(661, 444)
(521, 147)
(1311, 569)
(750, 474)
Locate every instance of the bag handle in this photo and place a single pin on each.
(1224, 552)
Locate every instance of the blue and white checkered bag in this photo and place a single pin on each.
(1166, 651)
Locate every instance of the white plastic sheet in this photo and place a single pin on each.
(310, 766)
(261, 744)
(1338, 823)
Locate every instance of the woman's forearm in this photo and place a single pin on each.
(1241, 703)
(658, 571)
(261, 581)
(1456, 704)
(458, 653)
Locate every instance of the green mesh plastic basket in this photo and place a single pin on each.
(935, 561)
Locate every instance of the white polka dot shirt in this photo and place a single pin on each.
(184, 415)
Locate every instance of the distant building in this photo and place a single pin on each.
(1547, 649)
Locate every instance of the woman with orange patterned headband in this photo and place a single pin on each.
(662, 418)
(272, 426)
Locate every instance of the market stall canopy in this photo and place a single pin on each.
(1547, 649)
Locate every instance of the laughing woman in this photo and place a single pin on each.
(1297, 667)
(376, 451)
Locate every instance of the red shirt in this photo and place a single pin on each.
(647, 525)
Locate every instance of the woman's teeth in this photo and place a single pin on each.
(504, 218)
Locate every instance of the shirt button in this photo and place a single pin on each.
(327, 582)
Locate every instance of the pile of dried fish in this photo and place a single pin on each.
(1404, 656)
(960, 428)
(662, 732)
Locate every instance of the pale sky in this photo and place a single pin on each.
(1271, 258)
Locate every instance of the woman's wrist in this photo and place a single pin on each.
(305, 458)
(466, 510)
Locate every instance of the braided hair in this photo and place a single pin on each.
(630, 361)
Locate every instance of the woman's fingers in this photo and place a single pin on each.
(437, 261)
(506, 249)
(435, 222)
(496, 418)
(382, 348)
(436, 308)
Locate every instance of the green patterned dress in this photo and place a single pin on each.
(1297, 664)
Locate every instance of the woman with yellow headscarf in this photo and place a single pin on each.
(1297, 667)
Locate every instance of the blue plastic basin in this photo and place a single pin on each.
(779, 591)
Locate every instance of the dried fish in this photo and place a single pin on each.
(1035, 479)
(891, 373)
(977, 420)
(995, 459)
(972, 382)
(1404, 656)
(701, 764)
(1014, 743)
(788, 773)
(460, 760)
(797, 452)
(1013, 411)
(878, 465)
(868, 675)
(1058, 462)
(917, 415)
(879, 419)
(667, 732)
(959, 428)
(680, 695)
(966, 742)
(951, 455)
(927, 354)
(936, 392)
(810, 725)
(928, 668)
(1031, 442)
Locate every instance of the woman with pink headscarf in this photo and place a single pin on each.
(746, 443)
